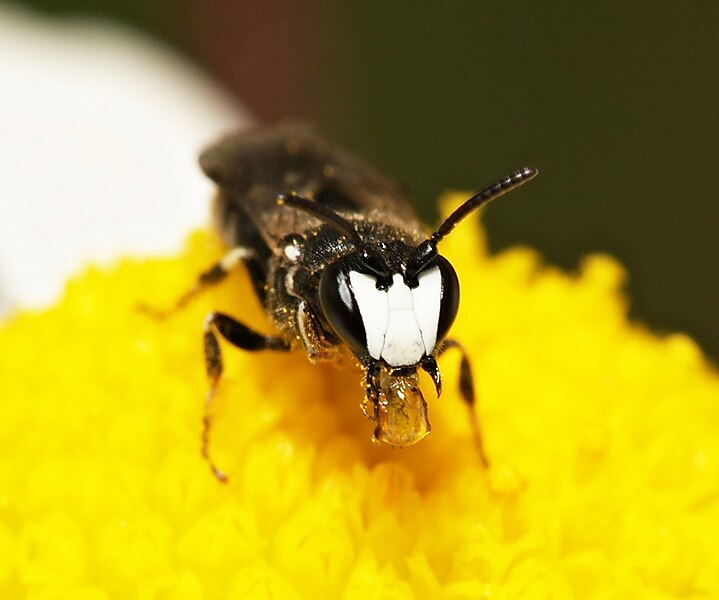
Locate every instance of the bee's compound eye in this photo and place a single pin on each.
(450, 297)
(340, 307)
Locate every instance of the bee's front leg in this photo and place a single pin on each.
(466, 390)
(238, 335)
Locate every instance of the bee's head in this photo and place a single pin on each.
(392, 302)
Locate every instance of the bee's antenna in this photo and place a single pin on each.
(323, 213)
(512, 181)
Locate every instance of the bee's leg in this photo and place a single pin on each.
(316, 342)
(293, 286)
(238, 335)
(211, 276)
(466, 389)
(372, 391)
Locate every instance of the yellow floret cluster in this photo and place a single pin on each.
(602, 438)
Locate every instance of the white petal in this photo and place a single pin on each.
(101, 128)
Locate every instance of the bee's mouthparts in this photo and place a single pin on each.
(401, 411)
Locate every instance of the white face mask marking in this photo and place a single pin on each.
(373, 308)
(427, 298)
(400, 323)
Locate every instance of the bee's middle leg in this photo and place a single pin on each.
(215, 274)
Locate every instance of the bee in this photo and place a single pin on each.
(339, 260)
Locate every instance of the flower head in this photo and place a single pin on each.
(602, 438)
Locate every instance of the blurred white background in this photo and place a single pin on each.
(100, 132)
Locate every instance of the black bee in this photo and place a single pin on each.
(338, 258)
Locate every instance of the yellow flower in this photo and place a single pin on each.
(602, 436)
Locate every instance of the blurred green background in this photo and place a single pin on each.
(614, 102)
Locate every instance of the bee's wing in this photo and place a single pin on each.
(253, 168)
